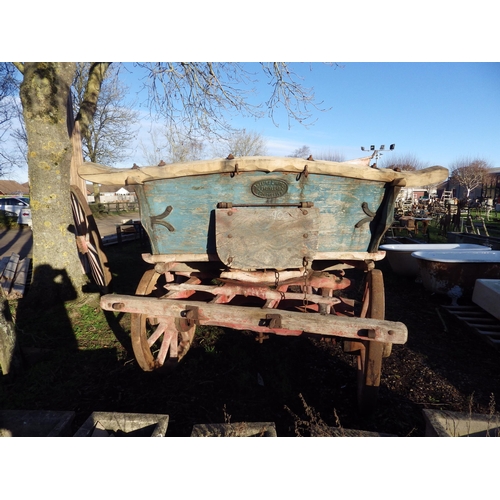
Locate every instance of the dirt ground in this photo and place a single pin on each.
(444, 365)
(306, 385)
(302, 384)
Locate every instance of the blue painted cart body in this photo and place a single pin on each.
(179, 214)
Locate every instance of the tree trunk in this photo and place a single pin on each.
(97, 193)
(57, 271)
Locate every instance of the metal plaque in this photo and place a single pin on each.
(269, 188)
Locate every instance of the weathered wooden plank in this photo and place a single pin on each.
(179, 214)
(255, 319)
(20, 280)
(257, 238)
(188, 257)
(356, 169)
(3, 264)
(257, 291)
(10, 273)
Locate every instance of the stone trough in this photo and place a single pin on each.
(440, 423)
(35, 423)
(104, 424)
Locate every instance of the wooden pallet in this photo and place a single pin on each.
(14, 274)
(483, 323)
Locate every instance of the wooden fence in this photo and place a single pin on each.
(115, 206)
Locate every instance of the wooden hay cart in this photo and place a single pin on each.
(262, 244)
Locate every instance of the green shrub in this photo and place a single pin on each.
(8, 219)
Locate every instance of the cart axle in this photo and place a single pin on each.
(257, 319)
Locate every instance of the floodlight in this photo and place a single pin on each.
(372, 147)
(392, 146)
(382, 147)
(362, 148)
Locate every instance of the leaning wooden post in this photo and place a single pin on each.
(77, 156)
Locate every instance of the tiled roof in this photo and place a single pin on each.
(13, 187)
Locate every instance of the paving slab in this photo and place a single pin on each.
(19, 241)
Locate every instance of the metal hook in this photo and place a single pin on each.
(304, 173)
(236, 171)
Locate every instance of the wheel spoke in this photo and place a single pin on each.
(174, 343)
(168, 345)
(92, 257)
(157, 342)
(160, 329)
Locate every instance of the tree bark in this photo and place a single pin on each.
(11, 360)
(44, 96)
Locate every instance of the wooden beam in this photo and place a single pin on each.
(3, 264)
(254, 318)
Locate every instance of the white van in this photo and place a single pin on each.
(20, 206)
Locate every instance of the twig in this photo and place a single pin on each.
(445, 328)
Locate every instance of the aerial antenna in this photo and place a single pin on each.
(376, 153)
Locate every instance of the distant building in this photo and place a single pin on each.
(491, 188)
(13, 188)
(113, 194)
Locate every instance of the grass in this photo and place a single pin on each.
(433, 231)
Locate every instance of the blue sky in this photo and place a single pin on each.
(436, 112)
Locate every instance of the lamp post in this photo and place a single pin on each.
(376, 153)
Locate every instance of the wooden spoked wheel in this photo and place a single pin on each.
(159, 343)
(370, 354)
(88, 241)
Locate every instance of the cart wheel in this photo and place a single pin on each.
(88, 241)
(370, 354)
(159, 343)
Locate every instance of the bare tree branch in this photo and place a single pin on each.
(9, 113)
(108, 136)
(330, 155)
(408, 162)
(173, 146)
(302, 152)
(469, 173)
(201, 96)
(240, 143)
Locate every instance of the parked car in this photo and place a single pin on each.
(20, 206)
